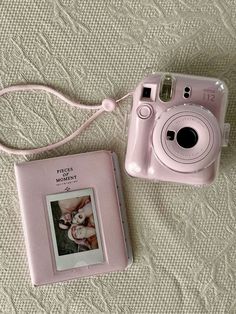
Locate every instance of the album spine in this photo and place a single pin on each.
(123, 215)
(24, 223)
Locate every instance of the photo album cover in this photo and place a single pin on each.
(73, 216)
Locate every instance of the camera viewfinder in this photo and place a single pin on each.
(146, 92)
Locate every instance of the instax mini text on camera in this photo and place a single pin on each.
(176, 128)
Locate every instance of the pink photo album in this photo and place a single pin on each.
(74, 217)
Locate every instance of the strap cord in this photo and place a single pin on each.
(107, 105)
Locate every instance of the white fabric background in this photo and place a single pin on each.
(184, 238)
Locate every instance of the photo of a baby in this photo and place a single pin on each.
(73, 218)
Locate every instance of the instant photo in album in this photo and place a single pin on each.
(73, 216)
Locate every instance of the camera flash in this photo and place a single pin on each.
(166, 88)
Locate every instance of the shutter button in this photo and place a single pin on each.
(144, 111)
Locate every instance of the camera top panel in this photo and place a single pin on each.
(174, 89)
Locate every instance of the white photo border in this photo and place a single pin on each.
(80, 259)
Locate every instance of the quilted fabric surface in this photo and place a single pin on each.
(184, 238)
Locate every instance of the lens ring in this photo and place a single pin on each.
(202, 154)
(187, 137)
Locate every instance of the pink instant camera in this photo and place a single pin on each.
(176, 128)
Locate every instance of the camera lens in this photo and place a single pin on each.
(187, 137)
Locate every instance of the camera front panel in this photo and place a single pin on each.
(191, 142)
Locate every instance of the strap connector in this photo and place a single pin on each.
(109, 104)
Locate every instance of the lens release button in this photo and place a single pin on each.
(144, 112)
